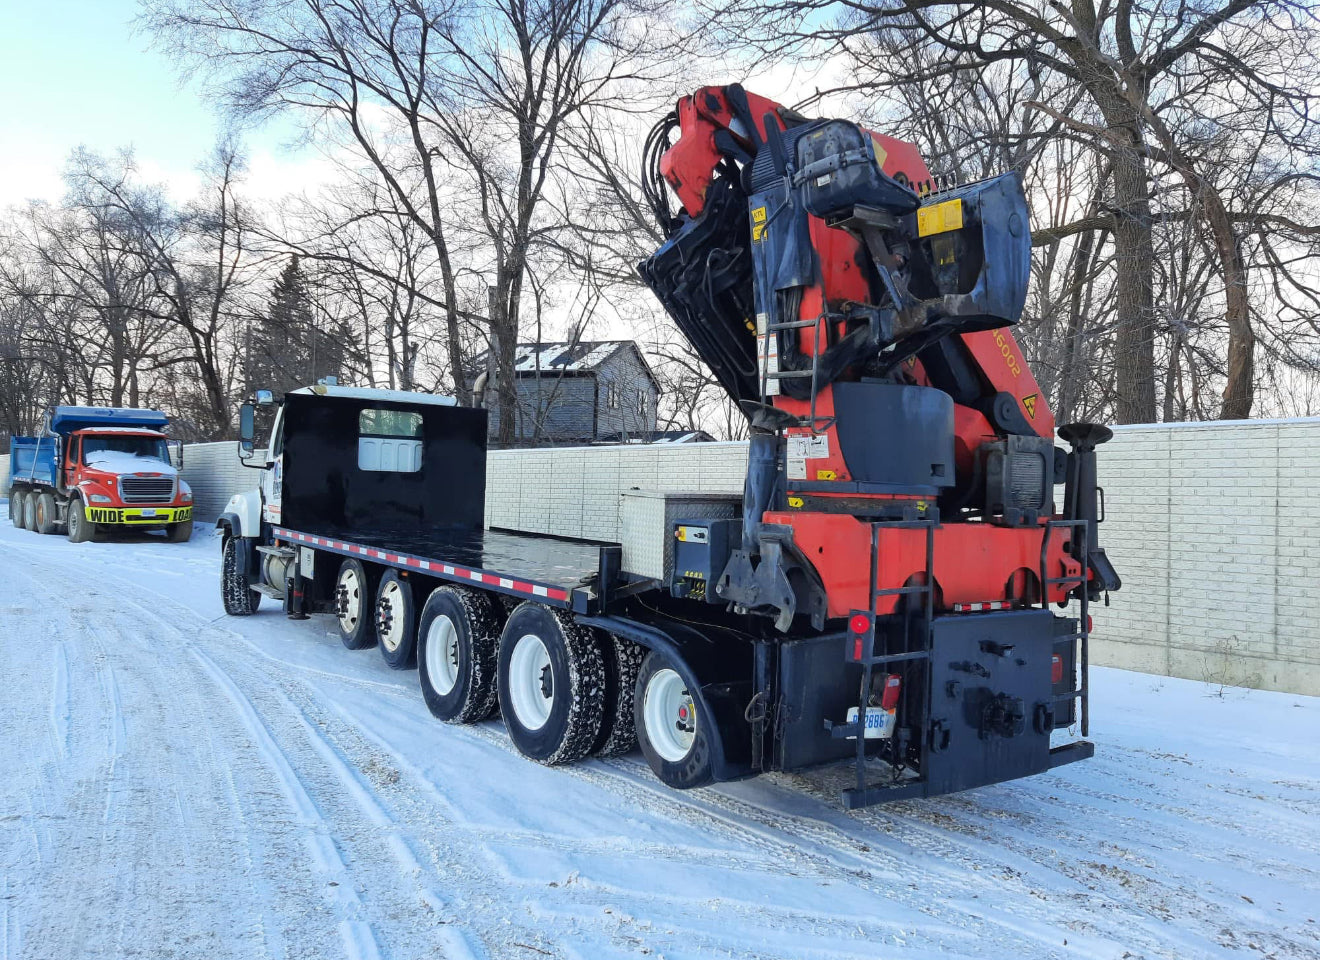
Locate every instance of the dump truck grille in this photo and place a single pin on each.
(146, 489)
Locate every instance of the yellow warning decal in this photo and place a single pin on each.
(940, 218)
(795, 502)
(758, 224)
(826, 475)
(1029, 403)
(881, 154)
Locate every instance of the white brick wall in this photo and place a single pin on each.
(577, 491)
(1214, 529)
(214, 473)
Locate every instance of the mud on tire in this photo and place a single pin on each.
(545, 653)
(458, 641)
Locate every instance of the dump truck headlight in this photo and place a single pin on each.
(99, 498)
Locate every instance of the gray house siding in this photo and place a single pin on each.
(615, 397)
(552, 407)
(624, 378)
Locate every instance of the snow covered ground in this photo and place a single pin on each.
(176, 783)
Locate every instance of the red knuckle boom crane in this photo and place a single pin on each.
(902, 465)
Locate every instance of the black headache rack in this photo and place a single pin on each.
(403, 484)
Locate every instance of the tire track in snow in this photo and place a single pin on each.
(1019, 840)
(59, 702)
(359, 941)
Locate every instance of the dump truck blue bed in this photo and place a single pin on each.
(33, 459)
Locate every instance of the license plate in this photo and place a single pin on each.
(879, 722)
(148, 512)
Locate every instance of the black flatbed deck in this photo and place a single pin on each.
(561, 573)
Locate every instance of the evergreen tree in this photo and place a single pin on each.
(286, 348)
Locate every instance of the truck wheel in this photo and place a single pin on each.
(179, 532)
(76, 526)
(457, 650)
(618, 730)
(551, 684)
(45, 514)
(396, 621)
(236, 588)
(17, 506)
(30, 511)
(672, 738)
(13, 508)
(354, 588)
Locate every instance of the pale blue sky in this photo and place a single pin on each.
(75, 72)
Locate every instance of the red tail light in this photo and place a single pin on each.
(893, 686)
(1090, 624)
(1056, 669)
(859, 625)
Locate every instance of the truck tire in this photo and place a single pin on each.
(30, 511)
(673, 740)
(396, 621)
(76, 525)
(355, 586)
(13, 508)
(458, 642)
(618, 729)
(17, 505)
(179, 532)
(46, 513)
(236, 588)
(551, 684)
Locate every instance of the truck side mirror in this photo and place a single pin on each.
(265, 398)
(177, 447)
(247, 428)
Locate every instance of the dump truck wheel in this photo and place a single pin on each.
(623, 661)
(179, 532)
(30, 511)
(236, 591)
(669, 729)
(551, 684)
(355, 586)
(458, 641)
(45, 514)
(396, 621)
(76, 525)
(17, 506)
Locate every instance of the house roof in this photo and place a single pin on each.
(565, 356)
(562, 357)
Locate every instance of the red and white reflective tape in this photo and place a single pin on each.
(980, 607)
(417, 563)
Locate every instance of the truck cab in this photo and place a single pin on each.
(92, 470)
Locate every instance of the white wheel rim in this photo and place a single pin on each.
(352, 586)
(442, 654)
(392, 597)
(530, 677)
(670, 715)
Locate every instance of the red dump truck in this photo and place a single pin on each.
(92, 470)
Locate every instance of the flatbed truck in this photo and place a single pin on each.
(881, 592)
(370, 508)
